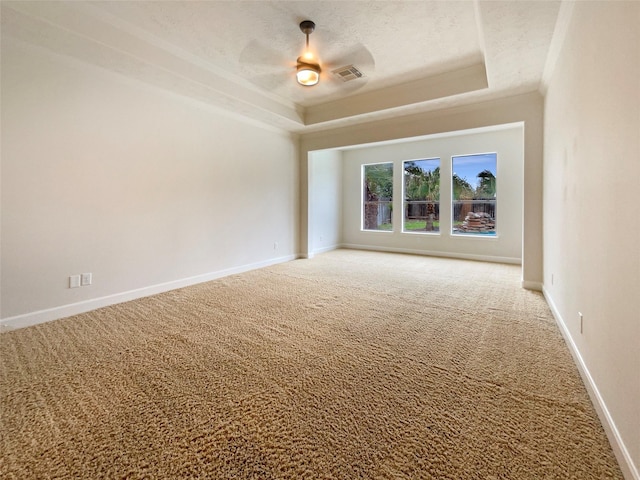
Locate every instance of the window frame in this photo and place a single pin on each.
(363, 199)
(474, 235)
(404, 199)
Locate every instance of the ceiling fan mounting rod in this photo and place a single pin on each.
(308, 69)
(307, 27)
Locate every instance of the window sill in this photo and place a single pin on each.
(475, 236)
(431, 234)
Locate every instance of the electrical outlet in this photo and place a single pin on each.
(552, 279)
(74, 281)
(275, 245)
(86, 279)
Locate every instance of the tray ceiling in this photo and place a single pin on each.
(240, 55)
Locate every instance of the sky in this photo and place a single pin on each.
(466, 166)
(469, 166)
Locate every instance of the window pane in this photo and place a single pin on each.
(474, 194)
(377, 196)
(422, 196)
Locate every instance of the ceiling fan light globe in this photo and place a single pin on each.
(308, 75)
(308, 78)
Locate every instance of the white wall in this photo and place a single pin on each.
(505, 247)
(525, 108)
(591, 199)
(144, 189)
(325, 193)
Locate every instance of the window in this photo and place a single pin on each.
(473, 187)
(421, 196)
(377, 196)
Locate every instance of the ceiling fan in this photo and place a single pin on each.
(341, 61)
(308, 67)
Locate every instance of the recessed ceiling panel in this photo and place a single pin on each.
(391, 42)
(241, 55)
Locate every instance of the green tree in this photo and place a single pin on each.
(462, 190)
(378, 181)
(423, 185)
(378, 185)
(486, 185)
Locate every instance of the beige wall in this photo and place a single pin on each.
(506, 246)
(522, 108)
(591, 191)
(325, 200)
(149, 191)
(146, 190)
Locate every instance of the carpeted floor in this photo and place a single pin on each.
(350, 365)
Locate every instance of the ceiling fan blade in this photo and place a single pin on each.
(265, 66)
(358, 55)
(273, 81)
(256, 53)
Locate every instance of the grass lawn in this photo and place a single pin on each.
(411, 226)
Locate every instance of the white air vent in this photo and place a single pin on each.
(347, 73)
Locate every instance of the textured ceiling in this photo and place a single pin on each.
(240, 55)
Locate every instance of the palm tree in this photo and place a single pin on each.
(487, 185)
(378, 185)
(462, 190)
(421, 185)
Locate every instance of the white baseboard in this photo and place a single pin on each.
(529, 285)
(629, 470)
(50, 314)
(462, 256)
(329, 248)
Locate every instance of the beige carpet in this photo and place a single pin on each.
(351, 365)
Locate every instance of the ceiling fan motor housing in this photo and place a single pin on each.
(307, 27)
